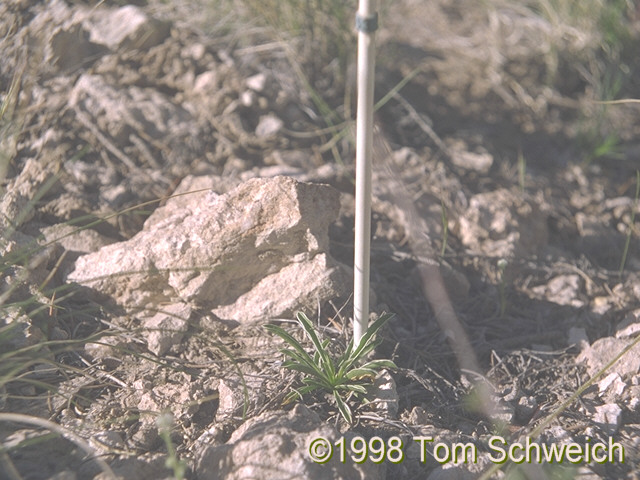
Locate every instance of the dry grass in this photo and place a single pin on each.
(534, 55)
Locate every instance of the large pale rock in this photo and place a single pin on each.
(259, 251)
(276, 445)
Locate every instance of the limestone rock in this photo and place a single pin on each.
(563, 290)
(603, 350)
(36, 180)
(306, 281)
(259, 251)
(276, 445)
(236, 392)
(269, 125)
(128, 28)
(74, 239)
(167, 327)
(386, 399)
(608, 417)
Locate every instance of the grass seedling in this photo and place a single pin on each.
(341, 377)
(445, 228)
(631, 224)
(164, 423)
(502, 265)
(522, 171)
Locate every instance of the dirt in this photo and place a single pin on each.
(496, 137)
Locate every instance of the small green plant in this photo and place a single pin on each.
(445, 228)
(631, 224)
(502, 266)
(342, 377)
(522, 171)
(164, 423)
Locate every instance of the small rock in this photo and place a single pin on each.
(578, 337)
(146, 435)
(608, 418)
(630, 326)
(127, 28)
(105, 440)
(248, 98)
(268, 126)
(480, 162)
(33, 180)
(633, 402)
(563, 290)
(503, 412)
(604, 350)
(20, 331)
(525, 409)
(257, 82)
(418, 416)
(166, 328)
(385, 395)
(70, 48)
(206, 82)
(234, 393)
(612, 386)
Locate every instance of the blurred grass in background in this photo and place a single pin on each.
(590, 50)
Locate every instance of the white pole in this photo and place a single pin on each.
(366, 23)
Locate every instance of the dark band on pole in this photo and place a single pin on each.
(367, 24)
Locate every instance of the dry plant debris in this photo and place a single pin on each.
(119, 124)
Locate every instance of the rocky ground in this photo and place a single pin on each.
(177, 176)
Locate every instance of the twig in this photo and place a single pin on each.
(108, 144)
(424, 126)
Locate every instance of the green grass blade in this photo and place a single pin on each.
(310, 331)
(360, 373)
(379, 364)
(343, 408)
(353, 387)
(297, 393)
(297, 357)
(347, 353)
(282, 333)
(625, 251)
(312, 373)
(367, 342)
(318, 383)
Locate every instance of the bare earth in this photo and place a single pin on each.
(496, 144)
